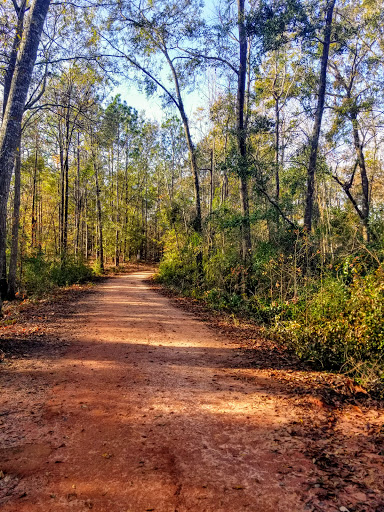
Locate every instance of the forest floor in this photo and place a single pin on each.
(118, 398)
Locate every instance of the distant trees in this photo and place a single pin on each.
(158, 34)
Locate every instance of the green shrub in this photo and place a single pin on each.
(41, 276)
(36, 276)
(178, 273)
(96, 268)
(340, 326)
(328, 313)
(69, 273)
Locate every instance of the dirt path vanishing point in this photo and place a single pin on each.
(148, 409)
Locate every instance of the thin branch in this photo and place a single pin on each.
(277, 206)
(346, 187)
(143, 70)
(210, 57)
(17, 8)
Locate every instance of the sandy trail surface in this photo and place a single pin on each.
(148, 409)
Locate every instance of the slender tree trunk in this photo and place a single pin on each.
(241, 135)
(34, 201)
(66, 189)
(192, 152)
(211, 190)
(146, 224)
(15, 228)
(194, 169)
(224, 188)
(61, 191)
(12, 118)
(277, 149)
(40, 217)
(318, 118)
(78, 205)
(364, 179)
(211, 197)
(86, 234)
(99, 219)
(117, 233)
(125, 221)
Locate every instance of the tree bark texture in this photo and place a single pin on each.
(17, 97)
(241, 134)
(318, 118)
(364, 179)
(99, 220)
(13, 57)
(15, 228)
(34, 202)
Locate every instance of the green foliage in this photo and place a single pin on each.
(36, 277)
(328, 314)
(274, 24)
(70, 272)
(179, 268)
(96, 268)
(339, 325)
(178, 272)
(41, 276)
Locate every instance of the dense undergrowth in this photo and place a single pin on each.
(329, 312)
(41, 275)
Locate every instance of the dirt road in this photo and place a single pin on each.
(148, 409)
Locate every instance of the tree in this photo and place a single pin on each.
(13, 113)
(11, 291)
(356, 100)
(241, 132)
(218, 48)
(314, 141)
(156, 33)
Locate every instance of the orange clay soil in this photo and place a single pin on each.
(128, 403)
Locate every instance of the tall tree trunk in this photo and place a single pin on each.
(241, 135)
(11, 124)
(61, 190)
(13, 56)
(318, 118)
(146, 224)
(364, 179)
(66, 187)
(99, 219)
(40, 217)
(34, 201)
(195, 171)
(191, 149)
(15, 228)
(86, 233)
(117, 232)
(211, 234)
(125, 220)
(78, 205)
(211, 189)
(277, 149)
